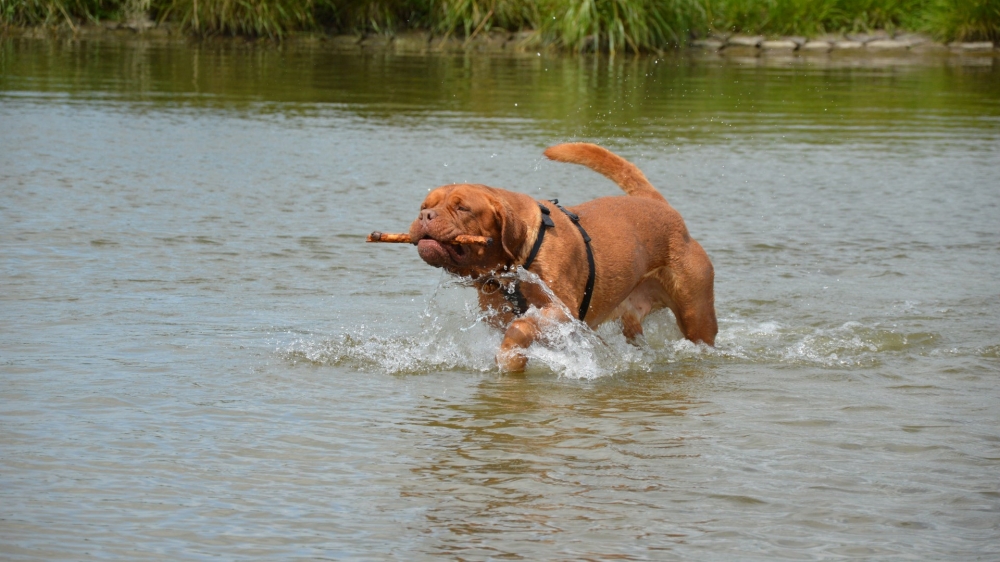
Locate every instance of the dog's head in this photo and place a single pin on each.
(476, 210)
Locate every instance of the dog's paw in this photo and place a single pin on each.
(511, 361)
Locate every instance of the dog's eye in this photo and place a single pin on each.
(463, 208)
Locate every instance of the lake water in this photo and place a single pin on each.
(201, 359)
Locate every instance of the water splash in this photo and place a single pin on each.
(455, 334)
(850, 344)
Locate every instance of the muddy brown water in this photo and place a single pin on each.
(201, 359)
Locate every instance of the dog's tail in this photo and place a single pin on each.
(610, 165)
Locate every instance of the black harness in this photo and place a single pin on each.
(516, 297)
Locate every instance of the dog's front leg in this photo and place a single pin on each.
(521, 333)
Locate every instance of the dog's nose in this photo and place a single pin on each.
(427, 215)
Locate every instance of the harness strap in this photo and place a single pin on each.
(546, 223)
(516, 298)
(592, 273)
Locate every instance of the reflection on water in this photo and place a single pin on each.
(548, 449)
(681, 98)
(200, 358)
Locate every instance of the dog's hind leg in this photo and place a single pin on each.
(631, 327)
(697, 321)
(692, 298)
(645, 298)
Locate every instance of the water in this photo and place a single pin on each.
(201, 358)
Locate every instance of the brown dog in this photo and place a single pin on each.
(639, 258)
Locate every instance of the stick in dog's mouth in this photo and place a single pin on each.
(459, 240)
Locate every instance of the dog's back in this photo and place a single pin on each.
(645, 216)
(647, 258)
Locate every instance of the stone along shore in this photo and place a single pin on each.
(880, 42)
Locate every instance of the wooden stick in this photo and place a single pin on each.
(405, 239)
(383, 237)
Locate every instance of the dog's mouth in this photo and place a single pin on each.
(439, 253)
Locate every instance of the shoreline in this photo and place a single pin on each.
(878, 43)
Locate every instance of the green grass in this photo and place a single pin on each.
(614, 25)
(469, 17)
(270, 18)
(57, 12)
(812, 17)
(579, 25)
(964, 19)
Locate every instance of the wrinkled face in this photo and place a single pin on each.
(459, 209)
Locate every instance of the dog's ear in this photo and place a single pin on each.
(513, 229)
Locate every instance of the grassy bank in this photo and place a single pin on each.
(610, 25)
